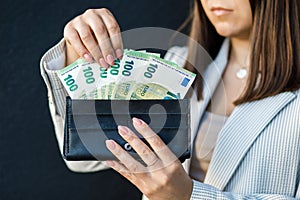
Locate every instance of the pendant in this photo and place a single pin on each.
(241, 73)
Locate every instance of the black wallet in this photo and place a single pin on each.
(89, 123)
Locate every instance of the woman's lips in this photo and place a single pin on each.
(219, 11)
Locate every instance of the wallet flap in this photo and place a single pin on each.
(89, 123)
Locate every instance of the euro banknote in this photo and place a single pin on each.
(131, 66)
(152, 82)
(138, 75)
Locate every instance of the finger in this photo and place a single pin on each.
(121, 169)
(129, 162)
(72, 37)
(102, 36)
(160, 148)
(139, 146)
(114, 32)
(88, 40)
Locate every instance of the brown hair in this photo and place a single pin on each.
(275, 47)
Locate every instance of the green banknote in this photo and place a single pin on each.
(80, 79)
(102, 82)
(153, 83)
(139, 75)
(90, 73)
(112, 76)
(152, 91)
(71, 79)
(131, 65)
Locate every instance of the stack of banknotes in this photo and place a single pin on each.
(138, 75)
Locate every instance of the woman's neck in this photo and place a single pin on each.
(240, 51)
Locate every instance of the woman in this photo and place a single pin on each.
(257, 153)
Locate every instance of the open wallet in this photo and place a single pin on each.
(89, 123)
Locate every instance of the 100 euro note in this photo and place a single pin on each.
(108, 85)
(108, 77)
(131, 65)
(72, 81)
(139, 75)
(162, 80)
(80, 79)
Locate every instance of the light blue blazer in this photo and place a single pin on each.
(257, 155)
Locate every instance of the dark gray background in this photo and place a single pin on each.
(31, 166)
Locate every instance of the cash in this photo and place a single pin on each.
(138, 75)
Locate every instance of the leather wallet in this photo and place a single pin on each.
(89, 123)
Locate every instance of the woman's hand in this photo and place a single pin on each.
(94, 35)
(163, 177)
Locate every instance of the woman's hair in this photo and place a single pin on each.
(275, 47)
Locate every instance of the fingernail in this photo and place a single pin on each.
(110, 59)
(110, 144)
(137, 121)
(123, 130)
(119, 53)
(103, 63)
(110, 163)
(88, 58)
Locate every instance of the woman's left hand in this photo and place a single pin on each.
(163, 177)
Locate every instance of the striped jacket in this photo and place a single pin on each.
(257, 155)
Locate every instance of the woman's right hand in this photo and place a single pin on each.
(94, 35)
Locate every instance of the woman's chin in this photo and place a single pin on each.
(224, 28)
(225, 31)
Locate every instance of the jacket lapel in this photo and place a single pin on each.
(244, 125)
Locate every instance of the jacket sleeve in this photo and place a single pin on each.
(208, 192)
(53, 60)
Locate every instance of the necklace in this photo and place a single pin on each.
(242, 73)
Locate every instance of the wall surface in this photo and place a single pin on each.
(31, 166)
